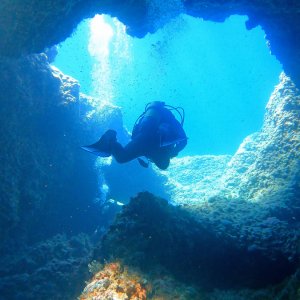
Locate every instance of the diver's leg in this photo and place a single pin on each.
(140, 145)
(132, 150)
(103, 146)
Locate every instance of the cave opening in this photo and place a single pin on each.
(57, 203)
(220, 73)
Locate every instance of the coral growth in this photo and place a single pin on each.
(115, 282)
(119, 282)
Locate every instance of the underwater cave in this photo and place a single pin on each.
(222, 222)
(221, 73)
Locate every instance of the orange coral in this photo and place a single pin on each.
(115, 282)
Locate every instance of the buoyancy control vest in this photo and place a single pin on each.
(169, 129)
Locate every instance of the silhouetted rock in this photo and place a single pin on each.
(48, 184)
(151, 233)
(32, 27)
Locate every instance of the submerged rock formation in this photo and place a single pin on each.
(52, 269)
(240, 213)
(266, 163)
(114, 282)
(48, 184)
(192, 180)
(30, 27)
(236, 219)
(160, 240)
(118, 281)
(150, 233)
(248, 225)
(41, 125)
(255, 194)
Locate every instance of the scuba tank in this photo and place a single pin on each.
(153, 109)
(159, 105)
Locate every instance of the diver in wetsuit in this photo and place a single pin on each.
(157, 135)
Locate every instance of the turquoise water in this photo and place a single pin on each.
(222, 74)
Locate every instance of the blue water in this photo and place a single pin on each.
(220, 73)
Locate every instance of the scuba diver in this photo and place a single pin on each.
(157, 135)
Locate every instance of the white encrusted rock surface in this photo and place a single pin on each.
(194, 179)
(266, 163)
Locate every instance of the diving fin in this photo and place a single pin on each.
(103, 147)
(95, 150)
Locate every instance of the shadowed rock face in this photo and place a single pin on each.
(40, 271)
(47, 183)
(149, 233)
(29, 27)
(40, 156)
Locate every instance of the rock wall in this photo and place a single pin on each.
(31, 26)
(149, 234)
(48, 185)
(41, 127)
(52, 269)
(266, 163)
(253, 195)
(192, 180)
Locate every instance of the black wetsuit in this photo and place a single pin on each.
(154, 137)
